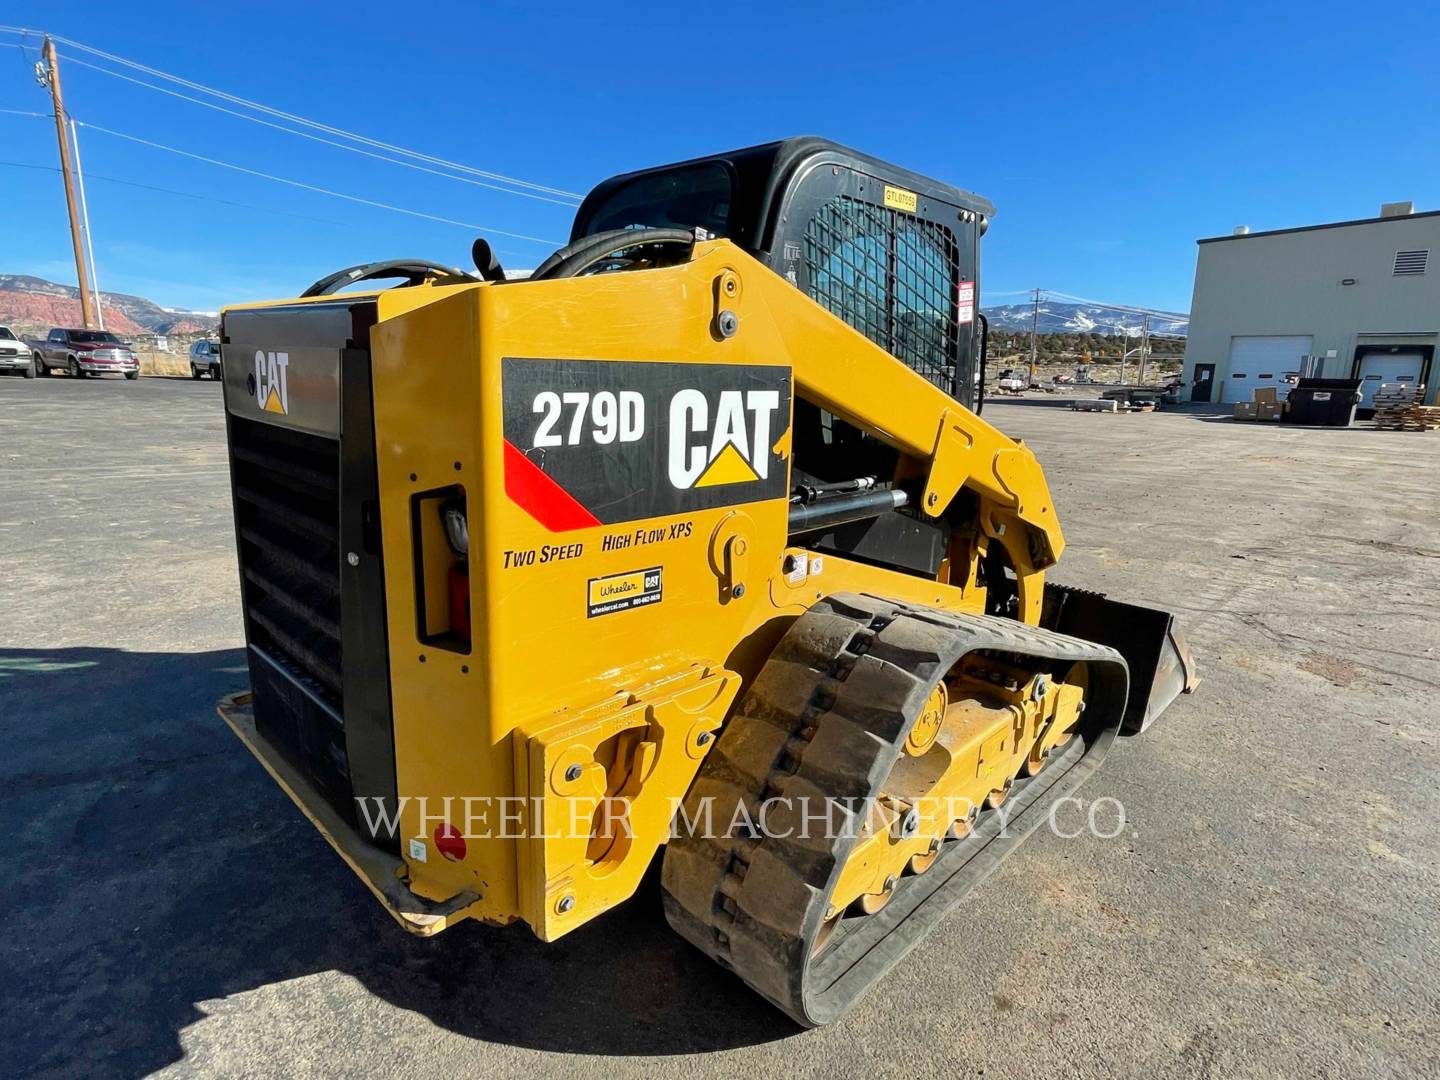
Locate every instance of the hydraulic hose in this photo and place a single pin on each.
(580, 255)
(414, 271)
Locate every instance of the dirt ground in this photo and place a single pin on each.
(1268, 908)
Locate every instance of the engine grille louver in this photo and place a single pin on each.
(287, 515)
(287, 502)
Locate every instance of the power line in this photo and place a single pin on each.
(23, 49)
(313, 188)
(280, 179)
(201, 198)
(173, 191)
(1069, 298)
(567, 202)
(294, 119)
(1173, 316)
(1133, 309)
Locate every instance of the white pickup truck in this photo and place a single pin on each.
(17, 355)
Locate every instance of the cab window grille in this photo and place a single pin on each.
(891, 276)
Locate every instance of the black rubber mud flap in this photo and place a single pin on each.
(1161, 668)
(824, 721)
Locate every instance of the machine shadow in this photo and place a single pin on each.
(155, 868)
(1355, 429)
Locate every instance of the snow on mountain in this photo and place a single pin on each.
(1057, 317)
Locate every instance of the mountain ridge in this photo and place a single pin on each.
(1063, 317)
(32, 305)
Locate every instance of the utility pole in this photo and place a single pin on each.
(1144, 347)
(1034, 330)
(85, 221)
(52, 77)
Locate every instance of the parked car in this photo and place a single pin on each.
(17, 355)
(205, 358)
(89, 352)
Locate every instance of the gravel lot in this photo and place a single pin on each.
(1268, 910)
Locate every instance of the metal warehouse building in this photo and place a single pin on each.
(1357, 299)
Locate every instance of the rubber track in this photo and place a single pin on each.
(825, 719)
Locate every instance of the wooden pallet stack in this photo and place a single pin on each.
(1400, 407)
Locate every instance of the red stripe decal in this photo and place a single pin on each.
(541, 497)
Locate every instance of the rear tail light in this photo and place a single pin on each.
(449, 842)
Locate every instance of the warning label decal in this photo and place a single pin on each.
(965, 302)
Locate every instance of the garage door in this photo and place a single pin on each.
(1377, 369)
(1264, 361)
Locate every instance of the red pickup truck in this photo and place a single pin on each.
(88, 352)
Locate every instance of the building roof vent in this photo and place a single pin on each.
(1411, 262)
(1397, 209)
(1240, 230)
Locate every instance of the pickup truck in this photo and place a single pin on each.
(16, 354)
(88, 352)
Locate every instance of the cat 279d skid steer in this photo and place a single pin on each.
(694, 540)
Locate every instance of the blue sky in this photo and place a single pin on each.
(1109, 136)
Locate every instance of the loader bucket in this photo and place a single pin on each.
(1161, 668)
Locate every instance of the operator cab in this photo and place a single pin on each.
(892, 253)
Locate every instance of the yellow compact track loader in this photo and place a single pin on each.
(691, 545)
